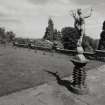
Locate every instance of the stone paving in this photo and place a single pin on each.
(52, 93)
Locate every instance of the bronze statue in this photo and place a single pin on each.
(78, 84)
(79, 22)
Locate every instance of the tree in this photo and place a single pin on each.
(49, 34)
(101, 45)
(88, 44)
(55, 34)
(70, 37)
(10, 36)
(2, 33)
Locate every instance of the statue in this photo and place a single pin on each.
(101, 45)
(79, 22)
(78, 84)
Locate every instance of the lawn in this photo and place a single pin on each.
(21, 68)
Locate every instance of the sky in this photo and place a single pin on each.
(29, 18)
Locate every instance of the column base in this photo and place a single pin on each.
(80, 90)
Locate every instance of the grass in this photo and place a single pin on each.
(22, 68)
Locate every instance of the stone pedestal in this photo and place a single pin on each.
(78, 84)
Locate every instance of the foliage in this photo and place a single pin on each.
(49, 31)
(69, 37)
(2, 33)
(101, 45)
(10, 36)
(6, 36)
(52, 34)
(89, 44)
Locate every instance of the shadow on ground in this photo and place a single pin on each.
(65, 83)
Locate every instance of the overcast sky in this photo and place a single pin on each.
(29, 18)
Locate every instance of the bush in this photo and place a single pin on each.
(70, 37)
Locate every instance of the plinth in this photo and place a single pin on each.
(79, 85)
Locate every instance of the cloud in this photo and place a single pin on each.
(42, 2)
(28, 18)
(91, 2)
(39, 1)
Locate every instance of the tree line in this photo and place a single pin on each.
(6, 36)
(69, 36)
